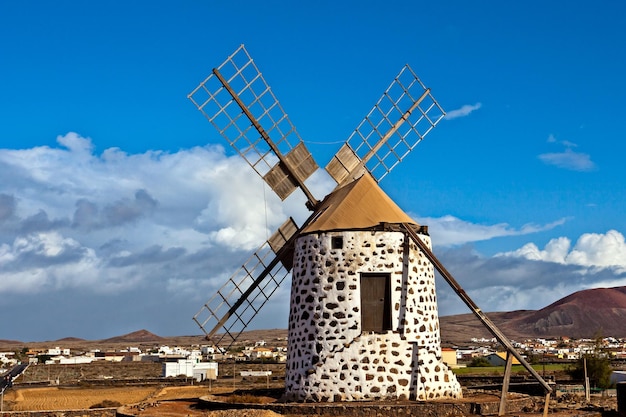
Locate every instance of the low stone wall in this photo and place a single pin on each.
(482, 405)
(94, 412)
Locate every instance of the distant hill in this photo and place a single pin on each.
(140, 336)
(9, 342)
(70, 339)
(584, 314)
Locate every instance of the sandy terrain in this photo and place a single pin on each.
(179, 401)
(55, 398)
(148, 401)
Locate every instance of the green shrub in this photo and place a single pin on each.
(479, 361)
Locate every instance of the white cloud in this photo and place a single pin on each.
(596, 249)
(76, 143)
(117, 222)
(81, 232)
(526, 278)
(46, 261)
(451, 231)
(591, 250)
(556, 251)
(568, 159)
(530, 278)
(465, 110)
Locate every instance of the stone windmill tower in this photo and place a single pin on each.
(363, 321)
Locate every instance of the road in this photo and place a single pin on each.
(6, 380)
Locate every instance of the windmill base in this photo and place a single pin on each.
(474, 403)
(392, 378)
(346, 344)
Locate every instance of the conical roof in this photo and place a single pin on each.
(362, 204)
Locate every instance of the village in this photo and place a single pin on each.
(201, 362)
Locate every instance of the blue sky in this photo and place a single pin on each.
(121, 208)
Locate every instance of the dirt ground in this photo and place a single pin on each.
(57, 398)
(72, 398)
(185, 409)
(180, 401)
(599, 407)
(145, 401)
(137, 385)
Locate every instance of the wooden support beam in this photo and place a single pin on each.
(505, 384)
(546, 405)
(480, 315)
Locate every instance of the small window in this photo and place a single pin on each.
(337, 242)
(375, 302)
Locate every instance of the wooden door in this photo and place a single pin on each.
(375, 302)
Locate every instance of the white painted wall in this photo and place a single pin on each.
(329, 357)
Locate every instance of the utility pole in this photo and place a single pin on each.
(587, 389)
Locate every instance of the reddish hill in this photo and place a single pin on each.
(9, 342)
(70, 339)
(583, 314)
(138, 336)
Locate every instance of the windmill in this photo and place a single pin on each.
(363, 320)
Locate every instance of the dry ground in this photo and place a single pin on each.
(86, 385)
(56, 398)
(146, 401)
(174, 401)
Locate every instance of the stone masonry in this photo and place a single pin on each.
(330, 358)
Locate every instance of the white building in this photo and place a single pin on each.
(180, 367)
(57, 351)
(207, 350)
(7, 360)
(75, 360)
(259, 353)
(190, 368)
(195, 354)
(205, 370)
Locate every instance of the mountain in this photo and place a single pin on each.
(70, 339)
(588, 313)
(9, 342)
(138, 336)
(583, 314)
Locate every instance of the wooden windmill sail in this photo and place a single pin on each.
(239, 103)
